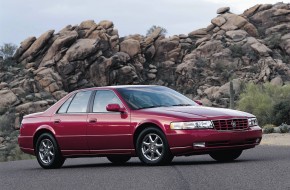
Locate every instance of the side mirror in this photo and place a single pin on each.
(114, 108)
(198, 102)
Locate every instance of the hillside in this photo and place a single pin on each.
(253, 46)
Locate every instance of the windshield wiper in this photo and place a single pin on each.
(182, 105)
(152, 107)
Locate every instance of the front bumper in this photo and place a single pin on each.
(182, 142)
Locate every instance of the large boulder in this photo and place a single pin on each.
(63, 41)
(81, 49)
(236, 35)
(223, 10)
(131, 47)
(36, 47)
(23, 47)
(8, 98)
(233, 21)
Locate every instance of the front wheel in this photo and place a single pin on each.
(119, 159)
(47, 152)
(152, 147)
(226, 156)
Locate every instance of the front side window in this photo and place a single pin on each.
(80, 102)
(103, 98)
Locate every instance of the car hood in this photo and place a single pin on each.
(199, 112)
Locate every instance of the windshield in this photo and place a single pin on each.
(153, 96)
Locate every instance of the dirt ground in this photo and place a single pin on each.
(276, 139)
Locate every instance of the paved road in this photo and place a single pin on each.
(265, 167)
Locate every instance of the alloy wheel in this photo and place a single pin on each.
(152, 147)
(46, 151)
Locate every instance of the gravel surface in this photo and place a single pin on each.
(276, 139)
(264, 167)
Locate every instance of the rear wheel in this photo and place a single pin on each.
(119, 159)
(47, 152)
(226, 156)
(152, 147)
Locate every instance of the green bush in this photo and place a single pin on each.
(284, 128)
(153, 28)
(261, 99)
(237, 51)
(268, 129)
(281, 112)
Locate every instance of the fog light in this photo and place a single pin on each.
(258, 140)
(199, 144)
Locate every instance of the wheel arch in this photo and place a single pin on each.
(40, 130)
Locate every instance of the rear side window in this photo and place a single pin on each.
(64, 106)
(80, 102)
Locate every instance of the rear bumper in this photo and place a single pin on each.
(26, 144)
(181, 142)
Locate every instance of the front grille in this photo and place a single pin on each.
(231, 124)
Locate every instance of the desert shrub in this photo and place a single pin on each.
(7, 50)
(261, 99)
(274, 42)
(201, 62)
(153, 28)
(237, 51)
(284, 128)
(268, 129)
(281, 112)
(254, 56)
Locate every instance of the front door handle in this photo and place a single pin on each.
(57, 121)
(93, 120)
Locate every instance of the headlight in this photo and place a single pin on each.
(192, 125)
(252, 122)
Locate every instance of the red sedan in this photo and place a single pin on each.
(154, 123)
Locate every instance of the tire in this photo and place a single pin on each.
(47, 152)
(119, 159)
(152, 147)
(226, 156)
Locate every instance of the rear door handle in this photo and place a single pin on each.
(93, 120)
(57, 121)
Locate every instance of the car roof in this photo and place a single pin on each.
(119, 86)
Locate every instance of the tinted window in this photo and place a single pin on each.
(64, 106)
(103, 98)
(80, 102)
(157, 96)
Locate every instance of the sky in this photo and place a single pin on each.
(20, 19)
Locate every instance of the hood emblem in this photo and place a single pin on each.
(234, 124)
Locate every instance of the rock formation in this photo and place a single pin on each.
(253, 46)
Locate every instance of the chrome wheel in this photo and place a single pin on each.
(46, 151)
(152, 147)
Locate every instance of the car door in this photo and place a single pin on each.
(106, 130)
(70, 122)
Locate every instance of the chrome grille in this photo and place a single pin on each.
(231, 124)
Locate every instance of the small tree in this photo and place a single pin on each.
(154, 27)
(7, 50)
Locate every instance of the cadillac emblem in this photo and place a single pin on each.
(234, 124)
